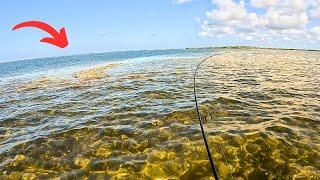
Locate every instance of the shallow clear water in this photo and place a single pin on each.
(262, 110)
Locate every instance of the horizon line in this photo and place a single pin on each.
(204, 47)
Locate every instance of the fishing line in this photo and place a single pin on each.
(213, 167)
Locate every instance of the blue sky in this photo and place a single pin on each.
(112, 25)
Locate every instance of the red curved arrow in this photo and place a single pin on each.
(57, 39)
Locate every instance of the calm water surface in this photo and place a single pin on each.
(261, 108)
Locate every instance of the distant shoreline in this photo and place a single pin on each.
(252, 48)
(196, 48)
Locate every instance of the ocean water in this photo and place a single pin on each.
(41, 66)
(261, 111)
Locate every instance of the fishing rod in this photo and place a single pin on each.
(213, 168)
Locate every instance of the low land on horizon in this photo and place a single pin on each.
(209, 47)
(252, 47)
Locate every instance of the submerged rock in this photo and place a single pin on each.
(157, 94)
(103, 151)
(301, 177)
(155, 171)
(29, 176)
(19, 157)
(98, 165)
(258, 174)
(74, 174)
(81, 162)
(252, 148)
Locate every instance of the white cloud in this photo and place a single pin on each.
(315, 13)
(181, 1)
(229, 18)
(233, 14)
(281, 21)
(314, 10)
(264, 3)
(287, 38)
(248, 38)
(284, 6)
(315, 32)
(228, 10)
(276, 19)
(284, 14)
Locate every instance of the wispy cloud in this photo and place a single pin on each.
(181, 1)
